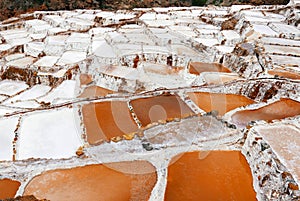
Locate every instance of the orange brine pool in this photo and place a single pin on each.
(219, 102)
(8, 188)
(284, 73)
(111, 182)
(211, 176)
(106, 120)
(200, 67)
(277, 110)
(85, 79)
(94, 91)
(153, 109)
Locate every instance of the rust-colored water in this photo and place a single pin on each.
(284, 73)
(220, 102)
(149, 110)
(8, 188)
(277, 110)
(200, 67)
(218, 176)
(105, 120)
(94, 91)
(110, 182)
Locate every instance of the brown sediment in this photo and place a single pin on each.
(284, 73)
(116, 181)
(94, 91)
(200, 67)
(153, 109)
(219, 102)
(8, 188)
(85, 79)
(106, 120)
(278, 110)
(215, 175)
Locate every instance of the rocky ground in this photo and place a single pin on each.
(14, 8)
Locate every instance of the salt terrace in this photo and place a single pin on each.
(183, 103)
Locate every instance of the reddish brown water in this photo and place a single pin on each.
(115, 182)
(277, 110)
(8, 188)
(149, 110)
(218, 176)
(200, 67)
(220, 102)
(94, 91)
(106, 120)
(284, 73)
